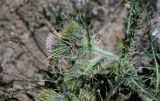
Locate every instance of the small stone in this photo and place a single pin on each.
(155, 32)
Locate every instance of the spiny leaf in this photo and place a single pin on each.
(50, 95)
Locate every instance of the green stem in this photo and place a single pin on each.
(144, 91)
(108, 55)
(128, 26)
(157, 70)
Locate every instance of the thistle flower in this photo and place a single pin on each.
(49, 43)
(70, 41)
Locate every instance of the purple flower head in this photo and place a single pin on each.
(49, 42)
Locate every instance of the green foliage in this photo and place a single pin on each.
(131, 22)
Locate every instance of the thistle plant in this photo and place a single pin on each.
(86, 79)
